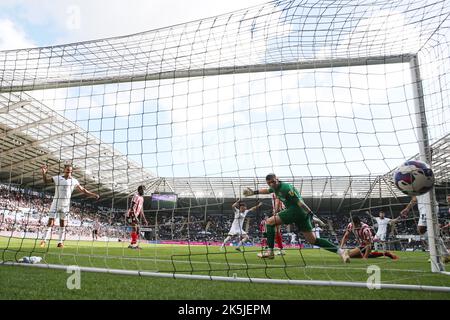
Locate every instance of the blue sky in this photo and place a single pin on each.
(48, 22)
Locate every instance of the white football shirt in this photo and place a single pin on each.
(382, 225)
(423, 203)
(63, 191)
(317, 231)
(238, 222)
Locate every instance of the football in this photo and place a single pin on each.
(414, 178)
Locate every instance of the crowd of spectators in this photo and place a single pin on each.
(26, 211)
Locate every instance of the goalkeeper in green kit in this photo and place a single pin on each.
(296, 212)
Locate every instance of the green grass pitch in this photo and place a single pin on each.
(310, 264)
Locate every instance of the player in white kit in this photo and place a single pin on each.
(238, 222)
(423, 207)
(95, 229)
(60, 207)
(382, 223)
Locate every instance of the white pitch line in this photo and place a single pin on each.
(240, 279)
(265, 265)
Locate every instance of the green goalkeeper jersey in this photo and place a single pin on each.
(287, 194)
(293, 212)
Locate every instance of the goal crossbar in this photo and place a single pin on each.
(204, 72)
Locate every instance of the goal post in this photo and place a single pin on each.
(228, 70)
(425, 155)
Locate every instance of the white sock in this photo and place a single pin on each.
(62, 233)
(225, 241)
(340, 251)
(47, 234)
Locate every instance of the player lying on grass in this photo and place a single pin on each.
(296, 212)
(364, 236)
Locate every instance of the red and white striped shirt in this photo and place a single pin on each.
(277, 205)
(262, 225)
(363, 234)
(136, 205)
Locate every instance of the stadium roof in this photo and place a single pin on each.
(32, 134)
(317, 187)
(441, 159)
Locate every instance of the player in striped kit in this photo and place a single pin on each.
(135, 215)
(363, 234)
(278, 206)
(262, 229)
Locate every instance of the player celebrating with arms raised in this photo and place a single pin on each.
(238, 223)
(60, 207)
(296, 212)
(382, 225)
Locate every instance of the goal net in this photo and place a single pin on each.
(331, 96)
